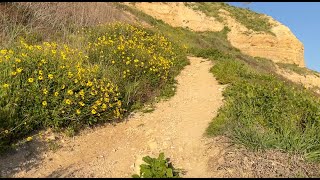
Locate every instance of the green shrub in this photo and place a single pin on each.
(157, 168)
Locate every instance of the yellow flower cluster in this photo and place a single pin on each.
(56, 81)
(52, 84)
(133, 50)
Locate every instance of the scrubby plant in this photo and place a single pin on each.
(157, 168)
(141, 61)
(51, 85)
(115, 68)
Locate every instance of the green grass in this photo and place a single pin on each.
(249, 19)
(262, 111)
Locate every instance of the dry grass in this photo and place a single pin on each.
(54, 20)
(238, 161)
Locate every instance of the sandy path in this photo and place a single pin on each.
(175, 127)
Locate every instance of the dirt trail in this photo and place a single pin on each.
(176, 127)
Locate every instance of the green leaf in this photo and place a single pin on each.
(161, 156)
(169, 172)
(147, 159)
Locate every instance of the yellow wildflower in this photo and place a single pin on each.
(104, 106)
(70, 92)
(68, 101)
(19, 70)
(98, 102)
(3, 51)
(30, 80)
(56, 94)
(29, 138)
(40, 77)
(44, 103)
(78, 111)
(6, 131)
(89, 83)
(5, 85)
(81, 93)
(50, 76)
(13, 73)
(81, 103)
(18, 60)
(70, 74)
(93, 111)
(45, 91)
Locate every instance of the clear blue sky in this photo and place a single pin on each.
(303, 18)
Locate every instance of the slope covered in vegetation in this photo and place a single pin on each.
(98, 73)
(259, 105)
(49, 84)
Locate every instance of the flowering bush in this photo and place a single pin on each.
(52, 85)
(134, 51)
(139, 59)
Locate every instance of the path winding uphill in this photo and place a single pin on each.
(176, 127)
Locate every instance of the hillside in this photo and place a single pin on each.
(92, 89)
(273, 41)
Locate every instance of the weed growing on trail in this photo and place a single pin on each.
(157, 168)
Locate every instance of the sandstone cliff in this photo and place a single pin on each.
(282, 47)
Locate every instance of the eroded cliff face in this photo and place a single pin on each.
(179, 15)
(282, 47)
